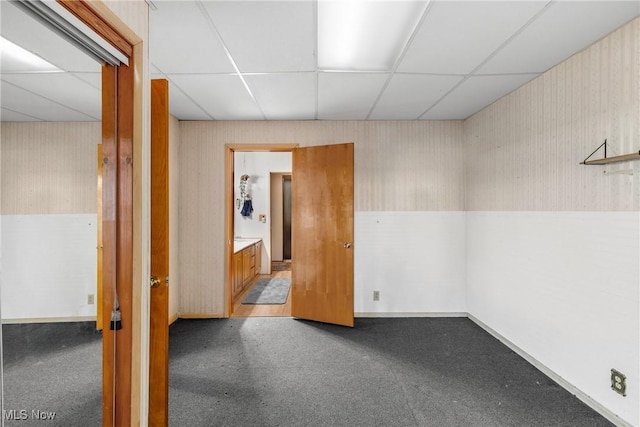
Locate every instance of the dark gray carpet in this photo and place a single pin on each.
(53, 368)
(384, 372)
(285, 372)
(269, 291)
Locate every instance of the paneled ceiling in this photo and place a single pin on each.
(264, 60)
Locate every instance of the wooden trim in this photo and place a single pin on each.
(615, 159)
(262, 147)
(109, 201)
(228, 238)
(140, 220)
(173, 318)
(125, 243)
(201, 316)
(83, 11)
(123, 193)
(159, 296)
(117, 191)
(99, 249)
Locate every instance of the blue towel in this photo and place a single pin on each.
(247, 208)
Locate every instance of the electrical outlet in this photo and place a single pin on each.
(376, 295)
(618, 382)
(90, 299)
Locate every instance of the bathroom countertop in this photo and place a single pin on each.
(244, 242)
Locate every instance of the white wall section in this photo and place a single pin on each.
(49, 266)
(415, 259)
(563, 287)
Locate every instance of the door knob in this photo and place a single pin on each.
(347, 245)
(155, 282)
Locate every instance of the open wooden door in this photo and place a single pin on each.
(322, 234)
(159, 323)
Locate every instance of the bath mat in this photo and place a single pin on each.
(269, 291)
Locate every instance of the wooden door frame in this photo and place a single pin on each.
(230, 149)
(124, 380)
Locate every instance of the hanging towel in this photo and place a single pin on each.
(247, 208)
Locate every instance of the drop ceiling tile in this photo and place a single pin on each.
(409, 95)
(182, 41)
(30, 34)
(563, 29)
(63, 88)
(94, 79)
(365, 35)
(474, 94)
(267, 36)
(180, 105)
(457, 36)
(21, 101)
(289, 96)
(348, 96)
(222, 96)
(12, 116)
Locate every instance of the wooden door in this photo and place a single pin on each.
(322, 234)
(159, 323)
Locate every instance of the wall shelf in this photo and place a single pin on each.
(606, 160)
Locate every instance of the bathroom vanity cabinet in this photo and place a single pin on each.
(247, 261)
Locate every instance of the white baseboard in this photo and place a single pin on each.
(49, 320)
(596, 406)
(416, 314)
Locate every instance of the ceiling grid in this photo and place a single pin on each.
(261, 60)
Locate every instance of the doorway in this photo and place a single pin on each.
(286, 218)
(257, 163)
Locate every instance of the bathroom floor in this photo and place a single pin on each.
(267, 310)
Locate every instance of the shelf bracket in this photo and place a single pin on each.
(605, 160)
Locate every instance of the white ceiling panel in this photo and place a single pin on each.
(285, 96)
(365, 35)
(200, 46)
(18, 27)
(94, 79)
(30, 104)
(267, 36)
(184, 108)
(11, 116)
(223, 97)
(474, 94)
(180, 105)
(409, 95)
(64, 88)
(448, 42)
(348, 96)
(182, 40)
(564, 28)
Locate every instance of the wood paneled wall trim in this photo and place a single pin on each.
(122, 139)
(84, 11)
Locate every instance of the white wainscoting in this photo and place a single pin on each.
(415, 259)
(564, 288)
(49, 267)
